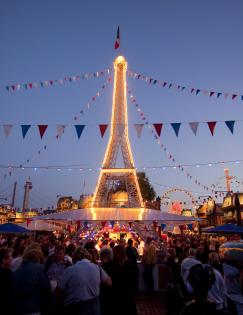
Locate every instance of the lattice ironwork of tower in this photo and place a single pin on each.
(112, 177)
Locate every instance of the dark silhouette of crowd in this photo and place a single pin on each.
(45, 275)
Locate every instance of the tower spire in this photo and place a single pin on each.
(112, 177)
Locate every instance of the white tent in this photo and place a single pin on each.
(39, 225)
(117, 214)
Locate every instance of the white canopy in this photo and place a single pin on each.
(39, 225)
(117, 214)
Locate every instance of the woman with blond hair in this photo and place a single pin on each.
(30, 287)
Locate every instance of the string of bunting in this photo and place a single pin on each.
(7, 128)
(60, 128)
(53, 82)
(182, 88)
(163, 147)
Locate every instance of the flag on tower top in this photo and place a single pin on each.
(117, 42)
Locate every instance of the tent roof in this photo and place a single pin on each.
(117, 214)
(226, 228)
(39, 225)
(12, 228)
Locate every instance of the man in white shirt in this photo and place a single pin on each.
(79, 287)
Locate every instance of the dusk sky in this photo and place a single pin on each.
(191, 43)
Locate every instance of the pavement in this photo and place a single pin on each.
(151, 304)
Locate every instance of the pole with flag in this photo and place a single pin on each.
(117, 42)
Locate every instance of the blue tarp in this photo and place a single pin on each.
(226, 228)
(12, 228)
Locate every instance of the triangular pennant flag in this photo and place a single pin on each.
(103, 130)
(194, 127)
(219, 94)
(234, 96)
(25, 129)
(211, 125)
(117, 42)
(230, 124)
(139, 128)
(163, 225)
(198, 91)
(130, 224)
(42, 130)
(7, 129)
(112, 222)
(176, 127)
(60, 131)
(158, 128)
(79, 130)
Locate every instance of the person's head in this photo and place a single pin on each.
(193, 252)
(119, 253)
(59, 254)
(201, 278)
(149, 240)
(130, 242)
(33, 253)
(106, 254)
(213, 258)
(80, 253)
(5, 258)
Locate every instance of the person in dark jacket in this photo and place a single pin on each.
(30, 287)
(5, 278)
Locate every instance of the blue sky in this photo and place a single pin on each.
(192, 43)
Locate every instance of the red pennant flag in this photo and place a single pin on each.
(103, 223)
(158, 128)
(117, 42)
(30, 85)
(211, 125)
(155, 224)
(103, 130)
(42, 129)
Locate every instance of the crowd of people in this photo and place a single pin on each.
(41, 274)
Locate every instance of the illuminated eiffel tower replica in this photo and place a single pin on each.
(111, 176)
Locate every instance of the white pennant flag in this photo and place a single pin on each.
(7, 129)
(139, 128)
(194, 126)
(60, 131)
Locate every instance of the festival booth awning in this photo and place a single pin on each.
(228, 228)
(12, 228)
(39, 225)
(117, 214)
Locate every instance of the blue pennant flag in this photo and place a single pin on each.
(79, 129)
(163, 226)
(189, 226)
(25, 129)
(219, 94)
(176, 127)
(112, 223)
(198, 91)
(230, 124)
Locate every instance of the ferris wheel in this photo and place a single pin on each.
(177, 206)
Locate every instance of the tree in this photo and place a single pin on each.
(147, 190)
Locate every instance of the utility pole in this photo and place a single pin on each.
(14, 194)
